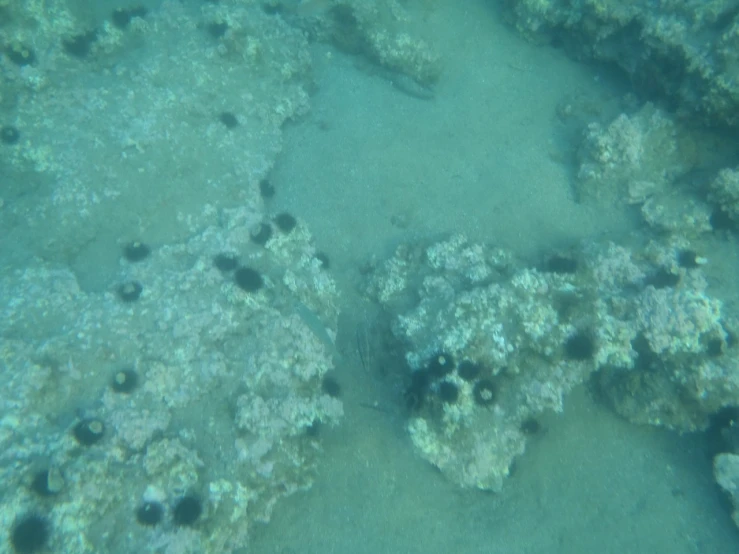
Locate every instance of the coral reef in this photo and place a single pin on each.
(685, 51)
(229, 385)
(640, 322)
(726, 472)
(669, 341)
(510, 325)
(384, 32)
(634, 158)
(650, 160)
(134, 128)
(113, 133)
(724, 191)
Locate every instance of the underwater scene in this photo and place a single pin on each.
(369, 276)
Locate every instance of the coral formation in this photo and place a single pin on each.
(724, 191)
(159, 103)
(506, 327)
(199, 345)
(640, 321)
(385, 33)
(649, 159)
(170, 396)
(632, 159)
(684, 51)
(726, 472)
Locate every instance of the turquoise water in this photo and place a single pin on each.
(132, 146)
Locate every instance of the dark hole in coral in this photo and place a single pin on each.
(285, 222)
(314, 429)
(415, 394)
(715, 347)
(125, 380)
(468, 370)
(136, 251)
(580, 347)
(331, 386)
(122, 17)
(662, 279)
(248, 279)
(229, 120)
(216, 30)
(323, 258)
(266, 189)
(30, 534)
(722, 434)
(560, 264)
(10, 134)
(261, 233)
(346, 35)
(89, 431)
(646, 359)
(440, 364)
(150, 513)
(130, 291)
(187, 510)
(343, 14)
(730, 338)
(43, 483)
(564, 303)
(720, 220)
(80, 45)
(20, 55)
(273, 8)
(225, 262)
(530, 426)
(687, 259)
(448, 392)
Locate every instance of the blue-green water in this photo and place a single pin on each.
(131, 145)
